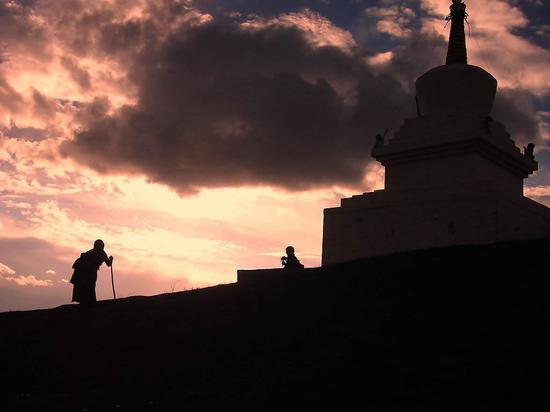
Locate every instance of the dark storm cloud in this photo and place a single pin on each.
(514, 108)
(423, 51)
(102, 29)
(340, 11)
(222, 106)
(19, 31)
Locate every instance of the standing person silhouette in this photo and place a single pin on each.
(85, 273)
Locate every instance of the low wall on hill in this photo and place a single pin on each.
(260, 276)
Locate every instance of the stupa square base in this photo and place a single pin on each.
(382, 222)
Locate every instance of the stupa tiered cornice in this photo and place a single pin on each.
(488, 139)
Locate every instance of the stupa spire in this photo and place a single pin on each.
(456, 53)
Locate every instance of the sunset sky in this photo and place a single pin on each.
(196, 137)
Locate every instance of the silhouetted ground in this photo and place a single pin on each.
(458, 329)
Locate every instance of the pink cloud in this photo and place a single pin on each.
(9, 275)
(540, 193)
(393, 19)
(318, 30)
(29, 280)
(6, 270)
(537, 191)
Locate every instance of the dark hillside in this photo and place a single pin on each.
(457, 329)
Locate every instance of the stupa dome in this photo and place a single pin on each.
(457, 87)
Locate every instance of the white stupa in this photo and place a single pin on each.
(453, 174)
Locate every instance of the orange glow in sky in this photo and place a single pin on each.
(67, 65)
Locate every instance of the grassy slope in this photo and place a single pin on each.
(453, 329)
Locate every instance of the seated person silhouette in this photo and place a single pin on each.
(85, 273)
(290, 261)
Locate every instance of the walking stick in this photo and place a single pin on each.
(113, 282)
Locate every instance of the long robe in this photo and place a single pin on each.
(85, 275)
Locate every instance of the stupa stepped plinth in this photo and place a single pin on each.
(453, 175)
